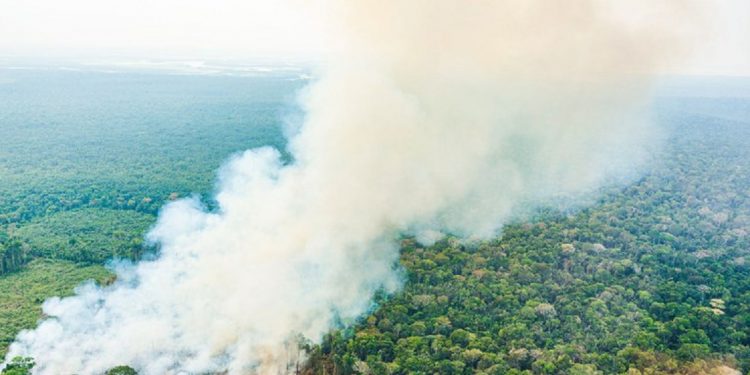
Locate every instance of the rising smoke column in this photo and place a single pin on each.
(431, 116)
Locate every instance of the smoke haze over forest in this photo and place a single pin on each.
(423, 119)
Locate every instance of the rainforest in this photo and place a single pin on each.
(651, 276)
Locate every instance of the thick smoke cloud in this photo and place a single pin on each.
(439, 116)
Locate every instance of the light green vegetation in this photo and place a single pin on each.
(22, 292)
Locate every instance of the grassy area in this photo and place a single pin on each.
(22, 293)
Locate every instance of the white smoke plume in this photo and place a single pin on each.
(430, 116)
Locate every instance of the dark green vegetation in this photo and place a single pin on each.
(19, 366)
(121, 370)
(654, 278)
(13, 253)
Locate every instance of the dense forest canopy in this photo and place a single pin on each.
(653, 277)
(127, 140)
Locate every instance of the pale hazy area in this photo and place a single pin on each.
(242, 30)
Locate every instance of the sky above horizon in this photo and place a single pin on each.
(252, 29)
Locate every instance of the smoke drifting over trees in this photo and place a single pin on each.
(430, 117)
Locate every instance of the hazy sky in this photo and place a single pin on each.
(241, 29)
(157, 28)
